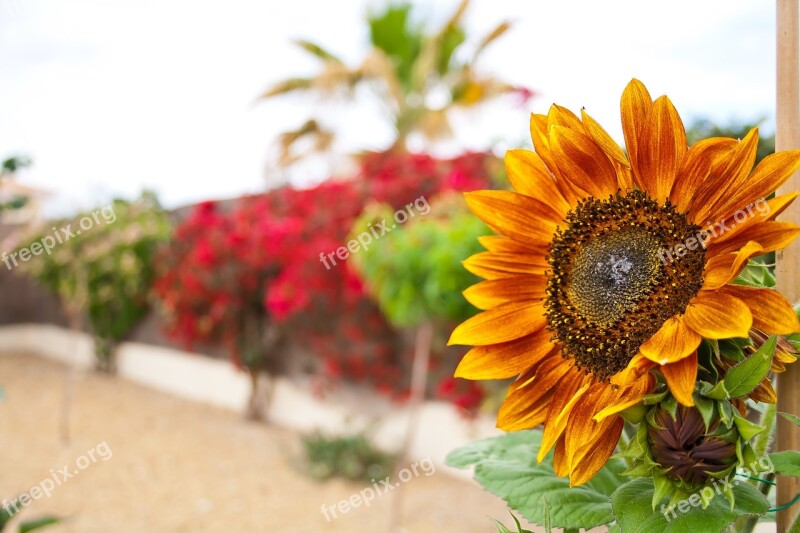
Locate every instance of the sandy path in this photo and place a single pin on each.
(179, 466)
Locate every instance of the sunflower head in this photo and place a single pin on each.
(611, 266)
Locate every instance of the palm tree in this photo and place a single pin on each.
(406, 65)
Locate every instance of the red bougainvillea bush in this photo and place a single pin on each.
(259, 260)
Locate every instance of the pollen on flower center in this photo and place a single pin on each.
(609, 290)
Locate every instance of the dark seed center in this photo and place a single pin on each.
(609, 289)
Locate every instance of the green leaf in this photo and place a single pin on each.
(790, 417)
(786, 463)
(38, 523)
(514, 446)
(632, 508)
(744, 377)
(506, 466)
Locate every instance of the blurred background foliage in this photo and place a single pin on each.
(419, 73)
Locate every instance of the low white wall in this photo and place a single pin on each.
(216, 382)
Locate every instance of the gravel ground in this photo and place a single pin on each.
(164, 464)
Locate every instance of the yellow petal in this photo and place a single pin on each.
(526, 407)
(491, 265)
(498, 243)
(772, 314)
(728, 174)
(628, 397)
(715, 315)
(671, 343)
(561, 116)
(722, 269)
(634, 108)
(771, 173)
(760, 212)
(583, 163)
(681, 378)
(600, 136)
(695, 170)
(529, 176)
(515, 215)
(502, 324)
(662, 149)
(564, 398)
(601, 451)
(770, 235)
(507, 359)
(494, 292)
(637, 367)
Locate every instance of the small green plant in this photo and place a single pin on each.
(8, 511)
(349, 457)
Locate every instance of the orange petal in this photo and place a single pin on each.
(494, 292)
(526, 407)
(564, 398)
(728, 174)
(716, 315)
(772, 314)
(722, 269)
(760, 212)
(529, 176)
(637, 367)
(561, 116)
(583, 163)
(507, 359)
(600, 136)
(491, 265)
(515, 215)
(581, 425)
(601, 450)
(634, 108)
(671, 343)
(681, 378)
(502, 324)
(662, 149)
(764, 393)
(540, 135)
(560, 465)
(628, 397)
(498, 243)
(695, 170)
(771, 173)
(770, 235)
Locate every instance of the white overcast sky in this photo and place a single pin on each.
(112, 96)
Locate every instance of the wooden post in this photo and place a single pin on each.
(787, 136)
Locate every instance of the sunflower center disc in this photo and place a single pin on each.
(612, 285)
(612, 272)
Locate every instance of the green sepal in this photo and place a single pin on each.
(634, 414)
(663, 487)
(743, 378)
(715, 392)
(653, 399)
(706, 408)
(670, 404)
(747, 429)
(725, 410)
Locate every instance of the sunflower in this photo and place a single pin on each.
(609, 266)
